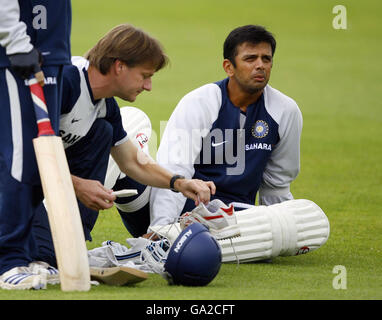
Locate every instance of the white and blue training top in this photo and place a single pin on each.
(209, 138)
(45, 25)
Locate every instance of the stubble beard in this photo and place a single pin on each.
(251, 88)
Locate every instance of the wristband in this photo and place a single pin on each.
(172, 181)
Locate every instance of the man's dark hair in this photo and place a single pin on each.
(250, 33)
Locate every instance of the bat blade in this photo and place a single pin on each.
(117, 276)
(63, 214)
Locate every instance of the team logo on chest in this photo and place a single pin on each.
(260, 129)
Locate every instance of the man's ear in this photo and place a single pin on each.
(228, 67)
(118, 66)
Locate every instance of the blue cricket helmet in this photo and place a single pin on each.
(194, 258)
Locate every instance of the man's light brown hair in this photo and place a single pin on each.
(128, 44)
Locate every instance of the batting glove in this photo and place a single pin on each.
(27, 64)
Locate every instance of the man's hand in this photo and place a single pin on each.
(27, 64)
(93, 194)
(195, 189)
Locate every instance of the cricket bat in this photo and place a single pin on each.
(118, 276)
(61, 203)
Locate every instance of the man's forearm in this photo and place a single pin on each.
(140, 167)
(150, 174)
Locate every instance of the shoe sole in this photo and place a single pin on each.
(9, 286)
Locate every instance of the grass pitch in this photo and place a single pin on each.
(334, 76)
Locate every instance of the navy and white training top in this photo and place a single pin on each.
(209, 138)
(43, 24)
(79, 109)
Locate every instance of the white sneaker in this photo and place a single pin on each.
(44, 269)
(219, 218)
(22, 278)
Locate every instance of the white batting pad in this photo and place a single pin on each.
(256, 240)
(135, 121)
(136, 204)
(138, 128)
(289, 228)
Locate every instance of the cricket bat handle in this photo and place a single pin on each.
(44, 125)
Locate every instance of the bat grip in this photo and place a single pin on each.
(44, 125)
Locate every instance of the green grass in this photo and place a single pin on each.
(334, 75)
